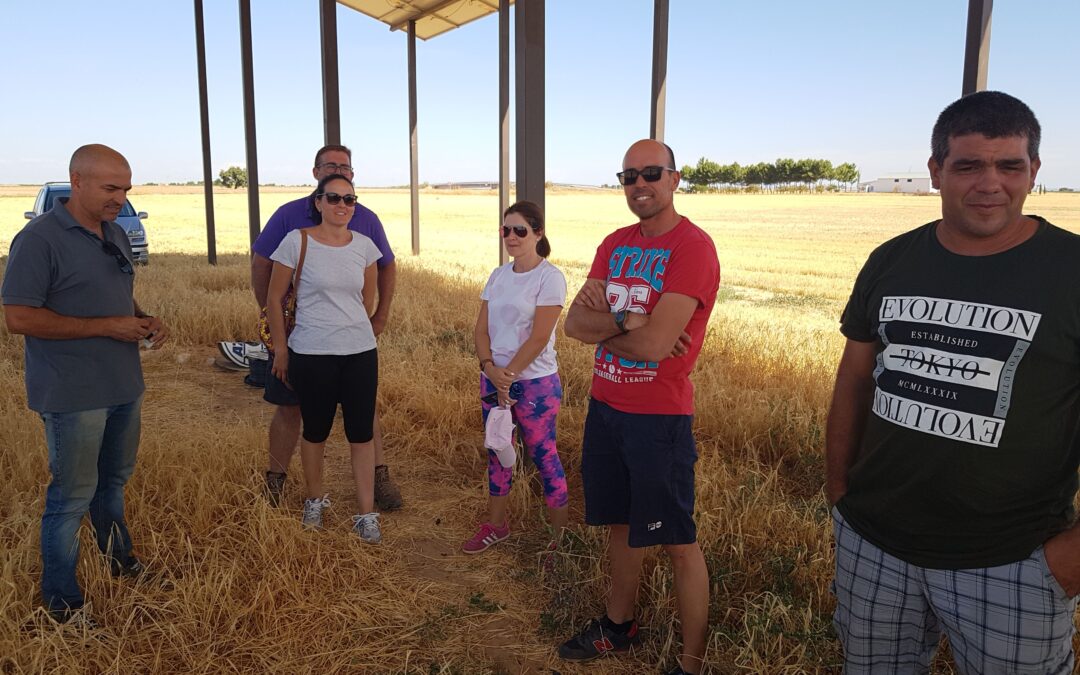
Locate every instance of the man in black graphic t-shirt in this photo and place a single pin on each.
(953, 441)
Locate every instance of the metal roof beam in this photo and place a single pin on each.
(426, 13)
(433, 17)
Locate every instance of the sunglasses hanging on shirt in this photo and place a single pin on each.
(121, 259)
(111, 249)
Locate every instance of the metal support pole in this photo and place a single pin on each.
(204, 120)
(414, 172)
(330, 89)
(529, 66)
(248, 72)
(504, 118)
(977, 49)
(659, 69)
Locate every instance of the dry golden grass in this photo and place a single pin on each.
(239, 588)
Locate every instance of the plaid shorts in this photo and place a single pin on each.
(889, 616)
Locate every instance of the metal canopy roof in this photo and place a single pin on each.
(432, 17)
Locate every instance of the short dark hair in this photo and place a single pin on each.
(993, 114)
(321, 188)
(532, 214)
(331, 148)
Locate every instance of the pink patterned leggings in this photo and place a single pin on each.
(534, 414)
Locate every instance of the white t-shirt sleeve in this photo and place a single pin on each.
(552, 291)
(288, 251)
(486, 293)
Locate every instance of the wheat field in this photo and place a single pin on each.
(237, 587)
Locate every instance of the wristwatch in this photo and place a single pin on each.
(620, 321)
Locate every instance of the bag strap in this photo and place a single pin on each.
(300, 263)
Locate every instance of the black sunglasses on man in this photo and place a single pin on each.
(651, 174)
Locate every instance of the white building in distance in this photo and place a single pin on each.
(900, 182)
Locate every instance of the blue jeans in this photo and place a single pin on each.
(91, 457)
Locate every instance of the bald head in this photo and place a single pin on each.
(100, 180)
(652, 147)
(89, 157)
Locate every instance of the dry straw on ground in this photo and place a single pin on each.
(237, 587)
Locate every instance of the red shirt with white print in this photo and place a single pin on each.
(637, 270)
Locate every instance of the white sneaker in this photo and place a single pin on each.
(313, 509)
(367, 526)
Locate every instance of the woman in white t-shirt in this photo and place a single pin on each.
(515, 342)
(331, 357)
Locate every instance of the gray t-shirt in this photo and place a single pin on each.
(330, 313)
(57, 264)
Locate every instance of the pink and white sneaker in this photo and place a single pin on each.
(487, 535)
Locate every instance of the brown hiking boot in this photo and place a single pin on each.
(275, 487)
(387, 495)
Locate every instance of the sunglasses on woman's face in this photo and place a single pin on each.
(335, 198)
(520, 231)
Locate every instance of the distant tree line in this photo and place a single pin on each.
(783, 175)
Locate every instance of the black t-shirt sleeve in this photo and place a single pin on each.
(855, 321)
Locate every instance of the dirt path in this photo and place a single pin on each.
(441, 507)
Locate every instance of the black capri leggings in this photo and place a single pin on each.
(321, 381)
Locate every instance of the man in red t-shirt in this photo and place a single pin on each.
(645, 306)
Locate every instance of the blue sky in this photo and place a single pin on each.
(843, 80)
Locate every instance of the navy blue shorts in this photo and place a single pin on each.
(638, 470)
(275, 390)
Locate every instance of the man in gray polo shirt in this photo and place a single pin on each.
(68, 289)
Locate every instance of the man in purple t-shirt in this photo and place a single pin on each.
(298, 214)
